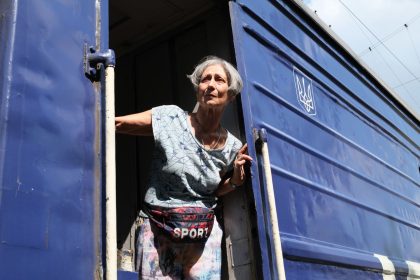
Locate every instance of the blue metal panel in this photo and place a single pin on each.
(344, 154)
(127, 275)
(300, 270)
(50, 170)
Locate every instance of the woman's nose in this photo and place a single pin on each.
(212, 83)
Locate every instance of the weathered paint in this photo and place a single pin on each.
(344, 152)
(50, 159)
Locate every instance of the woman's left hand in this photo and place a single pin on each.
(238, 177)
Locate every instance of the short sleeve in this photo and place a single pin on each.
(166, 122)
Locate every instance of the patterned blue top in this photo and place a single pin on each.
(183, 172)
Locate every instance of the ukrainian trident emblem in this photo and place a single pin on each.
(304, 92)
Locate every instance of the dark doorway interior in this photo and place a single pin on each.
(157, 44)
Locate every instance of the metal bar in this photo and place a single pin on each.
(281, 275)
(110, 177)
(93, 64)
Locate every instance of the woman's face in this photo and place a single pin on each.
(213, 87)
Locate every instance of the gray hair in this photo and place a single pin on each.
(234, 79)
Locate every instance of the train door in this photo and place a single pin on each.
(157, 44)
(50, 151)
(343, 151)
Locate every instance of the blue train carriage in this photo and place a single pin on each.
(344, 152)
(337, 154)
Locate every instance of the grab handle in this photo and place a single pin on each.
(262, 135)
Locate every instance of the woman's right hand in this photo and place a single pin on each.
(135, 124)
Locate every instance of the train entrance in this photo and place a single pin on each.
(157, 44)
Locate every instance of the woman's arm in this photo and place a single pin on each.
(135, 124)
(238, 176)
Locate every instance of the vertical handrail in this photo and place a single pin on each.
(93, 64)
(110, 177)
(272, 205)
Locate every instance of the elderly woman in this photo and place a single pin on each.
(195, 161)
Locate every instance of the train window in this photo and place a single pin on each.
(157, 44)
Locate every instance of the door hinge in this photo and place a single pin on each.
(93, 59)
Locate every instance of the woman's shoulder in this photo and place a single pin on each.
(167, 109)
(168, 113)
(166, 117)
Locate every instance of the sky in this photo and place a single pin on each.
(390, 28)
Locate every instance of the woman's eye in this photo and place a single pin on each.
(205, 79)
(219, 80)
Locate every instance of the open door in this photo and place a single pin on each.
(50, 140)
(343, 151)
